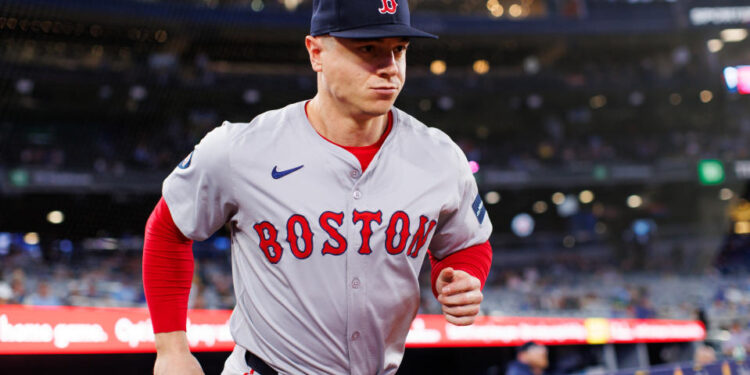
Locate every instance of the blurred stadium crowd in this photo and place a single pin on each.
(130, 98)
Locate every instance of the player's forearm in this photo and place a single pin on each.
(167, 271)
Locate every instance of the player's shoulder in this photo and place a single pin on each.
(427, 139)
(267, 122)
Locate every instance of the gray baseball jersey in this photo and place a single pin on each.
(325, 258)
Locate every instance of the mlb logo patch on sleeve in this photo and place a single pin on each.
(478, 207)
(186, 163)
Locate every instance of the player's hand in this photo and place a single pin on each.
(178, 363)
(173, 355)
(460, 294)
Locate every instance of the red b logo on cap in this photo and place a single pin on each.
(389, 7)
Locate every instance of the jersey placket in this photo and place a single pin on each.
(356, 282)
(356, 266)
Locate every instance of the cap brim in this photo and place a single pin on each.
(391, 30)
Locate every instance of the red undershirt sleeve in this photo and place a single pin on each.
(167, 271)
(474, 260)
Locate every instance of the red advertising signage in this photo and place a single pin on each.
(75, 330)
(433, 331)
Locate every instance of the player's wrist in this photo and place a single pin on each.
(171, 343)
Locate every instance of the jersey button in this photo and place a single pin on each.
(354, 173)
(356, 283)
(355, 335)
(357, 194)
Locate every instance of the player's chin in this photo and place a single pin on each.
(378, 110)
(379, 107)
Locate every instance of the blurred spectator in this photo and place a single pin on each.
(6, 294)
(18, 285)
(704, 355)
(642, 307)
(530, 360)
(738, 343)
(43, 296)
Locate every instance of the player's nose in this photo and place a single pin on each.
(388, 65)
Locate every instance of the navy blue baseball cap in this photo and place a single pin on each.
(364, 19)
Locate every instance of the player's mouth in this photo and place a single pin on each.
(385, 90)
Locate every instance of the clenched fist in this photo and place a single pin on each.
(460, 294)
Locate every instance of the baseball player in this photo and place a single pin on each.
(333, 204)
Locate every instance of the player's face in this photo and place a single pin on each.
(364, 74)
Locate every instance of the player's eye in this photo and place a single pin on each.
(367, 49)
(400, 49)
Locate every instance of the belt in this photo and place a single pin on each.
(259, 365)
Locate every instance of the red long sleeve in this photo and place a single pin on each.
(167, 271)
(474, 260)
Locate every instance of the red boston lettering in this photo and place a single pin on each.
(390, 233)
(338, 218)
(421, 236)
(366, 217)
(268, 244)
(299, 234)
(292, 237)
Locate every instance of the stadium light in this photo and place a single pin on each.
(726, 194)
(636, 98)
(715, 45)
(634, 201)
(438, 67)
(540, 207)
(445, 103)
(492, 197)
(598, 101)
(481, 66)
(251, 96)
(568, 207)
(733, 35)
(531, 65)
(522, 225)
(706, 96)
(495, 8)
(24, 86)
(31, 238)
(558, 198)
(515, 10)
(55, 217)
(675, 99)
(291, 5)
(586, 196)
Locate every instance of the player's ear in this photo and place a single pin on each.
(315, 46)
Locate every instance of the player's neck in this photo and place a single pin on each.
(337, 124)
